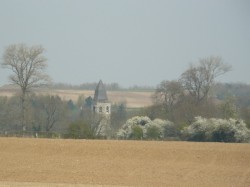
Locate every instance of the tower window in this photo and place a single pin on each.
(107, 109)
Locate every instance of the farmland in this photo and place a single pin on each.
(131, 98)
(51, 162)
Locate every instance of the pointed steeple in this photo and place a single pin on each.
(100, 93)
(102, 108)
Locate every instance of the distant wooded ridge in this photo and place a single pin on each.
(109, 87)
(220, 89)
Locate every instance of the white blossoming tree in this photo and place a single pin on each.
(217, 130)
(142, 127)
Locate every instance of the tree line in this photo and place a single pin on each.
(195, 93)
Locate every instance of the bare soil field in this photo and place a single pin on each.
(64, 163)
(132, 99)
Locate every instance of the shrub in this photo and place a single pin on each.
(217, 130)
(171, 131)
(126, 131)
(137, 133)
(198, 131)
(143, 127)
(223, 133)
(79, 130)
(153, 132)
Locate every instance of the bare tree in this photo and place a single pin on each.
(167, 94)
(53, 110)
(198, 80)
(28, 66)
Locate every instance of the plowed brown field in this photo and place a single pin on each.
(48, 162)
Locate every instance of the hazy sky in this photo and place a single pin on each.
(131, 42)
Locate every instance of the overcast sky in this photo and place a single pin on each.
(131, 42)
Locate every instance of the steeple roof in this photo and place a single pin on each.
(100, 93)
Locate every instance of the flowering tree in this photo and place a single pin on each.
(150, 129)
(218, 130)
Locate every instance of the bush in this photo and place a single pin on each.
(80, 130)
(197, 131)
(223, 133)
(143, 127)
(137, 133)
(171, 131)
(217, 130)
(153, 132)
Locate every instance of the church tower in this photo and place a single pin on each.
(102, 107)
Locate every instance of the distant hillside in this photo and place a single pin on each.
(135, 96)
(132, 99)
(92, 86)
